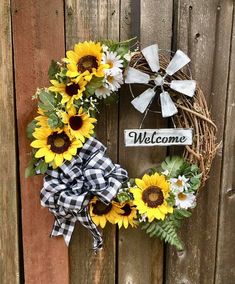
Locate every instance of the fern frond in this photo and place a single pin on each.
(167, 230)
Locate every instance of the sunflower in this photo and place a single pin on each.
(80, 124)
(150, 196)
(70, 91)
(85, 61)
(128, 215)
(42, 119)
(54, 146)
(101, 213)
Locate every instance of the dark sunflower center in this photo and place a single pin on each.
(153, 196)
(86, 63)
(72, 89)
(59, 142)
(99, 208)
(75, 122)
(127, 210)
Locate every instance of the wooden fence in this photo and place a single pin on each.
(32, 32)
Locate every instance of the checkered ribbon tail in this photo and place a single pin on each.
(68, 190)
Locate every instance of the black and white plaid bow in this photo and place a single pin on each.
(68, 189)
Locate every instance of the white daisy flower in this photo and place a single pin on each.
(102, 92)
(114, 61)
(113, 83)
(185, 200)
(179, 184)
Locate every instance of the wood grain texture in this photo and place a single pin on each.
(9, 250)
(203, 31)
(141, 258)
(225, 259)
(38, 31)
(94, 20)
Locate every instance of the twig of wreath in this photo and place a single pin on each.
(80, 182)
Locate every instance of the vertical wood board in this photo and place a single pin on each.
(202, 31)
(226, 232)
(141, 258)
(9, 243)
(38, 32)
(96, 20)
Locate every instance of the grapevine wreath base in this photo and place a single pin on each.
(81, 182)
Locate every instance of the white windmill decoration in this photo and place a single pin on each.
(144, 100)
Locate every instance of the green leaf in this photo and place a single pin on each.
(123, 196)
(172, 164)
(165, 230)
(171, 199)
(77, 103)
(30, 129)
(54, 68)
(112, 99)
(47, 100)
(122, 50)
(182, 213)
(95, 83)
(30, 170)
(42, 167)
(54, 121)
(195, 182)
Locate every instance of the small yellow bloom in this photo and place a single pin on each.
(80, 124)
(128, 215)
(150, 196)
(69, 92)
(101, 213)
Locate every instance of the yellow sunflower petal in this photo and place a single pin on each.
(140, 183)
(67, 156)
(58, 159)
(102, 221)
(49, 157)
(42, 152)
(72, 56)
(125, 222)
(95, 219)
(38, 143)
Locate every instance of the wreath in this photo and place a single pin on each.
(81, 183)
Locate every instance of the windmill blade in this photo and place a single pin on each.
(186, 87)
(167, 105)
(133, 75)
(179, 60)
(143, 100)
(151, 55)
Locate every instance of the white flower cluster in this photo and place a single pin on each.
(113, 78)
(184, 199)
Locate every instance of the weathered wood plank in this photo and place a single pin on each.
(225, 259)
(38, 30)
(203, 31)
(94, 20)
(9, 250)
(141, 258)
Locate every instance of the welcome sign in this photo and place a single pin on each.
(158, 137)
